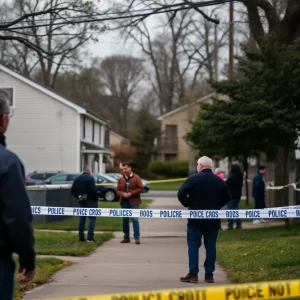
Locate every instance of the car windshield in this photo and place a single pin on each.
(108, 178)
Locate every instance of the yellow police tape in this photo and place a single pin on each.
(35, 187)
(254, 291)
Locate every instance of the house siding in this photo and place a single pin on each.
(43, 132)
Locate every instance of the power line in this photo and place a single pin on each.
(183, 6)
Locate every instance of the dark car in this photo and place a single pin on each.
(106, 191)
(36, 178)
(118, 175)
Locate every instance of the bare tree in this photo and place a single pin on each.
(42, 41)
(121, 76)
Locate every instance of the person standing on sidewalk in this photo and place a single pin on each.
(203, 191)
(84, 189)
(259, 191)
(16, 232)
(235, 186)
(129, 190)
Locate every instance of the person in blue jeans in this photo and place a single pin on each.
(203, 191)
(84, 189)
(129, 190)
(234, 183)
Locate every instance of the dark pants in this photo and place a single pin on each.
(7, 271)
(259, 203)
(194, 236)
(92, 223)
(135, 221)
(234, 205)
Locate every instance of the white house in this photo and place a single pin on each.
(48, 132)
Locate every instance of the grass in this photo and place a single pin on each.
(102, 224)
(262, 254)
(54, 243)
(45, 269)
(166, 186)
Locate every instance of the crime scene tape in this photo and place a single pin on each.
(254, 291)
(268, 213)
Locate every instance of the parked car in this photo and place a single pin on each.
(36, 178)
(106, 192)
(118, 175)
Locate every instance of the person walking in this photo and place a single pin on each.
(84, 189)
(235, 186)
(129, 189)
(203, 191)
(16, 232)
(259, 191)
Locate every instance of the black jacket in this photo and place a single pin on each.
(204, 191)
(235, 184)
(85, 184)
(16, 232)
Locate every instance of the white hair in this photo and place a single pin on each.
(206, 162)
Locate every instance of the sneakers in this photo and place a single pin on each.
(92, 241)
(209, 279)
(191, 278)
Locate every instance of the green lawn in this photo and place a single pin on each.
(102, 224)
(262, 254)
(54, 243)
(167, 186)
(45, 269)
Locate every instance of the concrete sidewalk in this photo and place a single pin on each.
(116, 268)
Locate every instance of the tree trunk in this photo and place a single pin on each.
(245, 166)
(282, 167)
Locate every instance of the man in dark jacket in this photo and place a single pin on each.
(203, 191)
(258, 191)
(84, 189)
(16, 232)
(235, 186)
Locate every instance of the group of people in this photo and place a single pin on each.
(234, 183)
(202, 191)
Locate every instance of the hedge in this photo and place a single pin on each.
(168, 169)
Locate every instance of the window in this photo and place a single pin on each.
(59, 178)
(93, 134)
(9, 93)
(100, 128)
(98, 179)
(72, 177)
(171, 131)
(83, 127)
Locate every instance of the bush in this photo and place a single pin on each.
(169, 169)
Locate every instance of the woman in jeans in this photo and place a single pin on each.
(235, 185)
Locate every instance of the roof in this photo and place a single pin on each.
(118, 135)
(172, 112)
(50, 93)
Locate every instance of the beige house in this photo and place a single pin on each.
(174, 125)
(117, 139)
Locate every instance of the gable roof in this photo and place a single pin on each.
(174, 111)
(52, 94)
(118, 135)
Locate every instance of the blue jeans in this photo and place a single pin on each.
(194, 236)
(92, 223)
(234, 205)
(135, 221)
(7, 271)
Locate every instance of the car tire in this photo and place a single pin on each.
(110, 196)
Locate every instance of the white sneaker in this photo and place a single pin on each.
(256, 222)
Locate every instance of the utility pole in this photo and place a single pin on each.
(231, 53)
(231, 42)
(216, 52)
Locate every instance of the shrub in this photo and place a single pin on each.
(170, 169)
